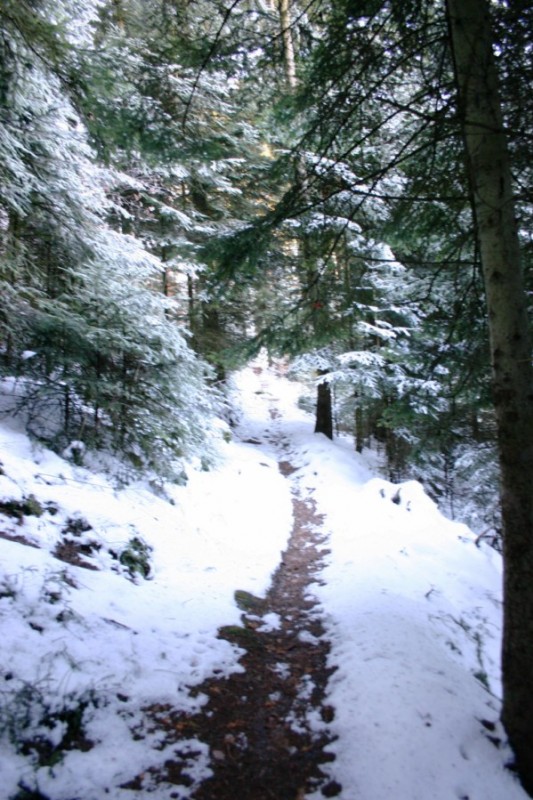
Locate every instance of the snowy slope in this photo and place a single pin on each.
(411, 605)
(70, 632)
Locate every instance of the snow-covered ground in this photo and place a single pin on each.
(411, 605)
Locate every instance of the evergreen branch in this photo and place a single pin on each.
(206, 61)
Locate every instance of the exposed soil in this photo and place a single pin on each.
(12, 537)
(267, 727)
(73, 553)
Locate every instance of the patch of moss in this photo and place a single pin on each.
(249, 602)
(28, 507)
(243, 637)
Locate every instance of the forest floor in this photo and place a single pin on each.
(301, 628)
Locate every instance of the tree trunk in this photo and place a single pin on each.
(359, 426)
(324, 400)
(288, 44)
(324, 410)
(490, 184)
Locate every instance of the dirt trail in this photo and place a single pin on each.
(267, 727)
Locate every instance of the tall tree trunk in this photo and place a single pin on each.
(288, 44)
(324, 410)
(490, 183)
(324, 400)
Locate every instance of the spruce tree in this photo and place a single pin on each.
(97, 351)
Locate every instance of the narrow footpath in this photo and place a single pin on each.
(267, 726)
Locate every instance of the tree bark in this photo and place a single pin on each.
(359, 426)
(324, 400)
(324, 410)
(289, 61)
(490, 180)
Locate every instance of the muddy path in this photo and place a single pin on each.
(266, 727)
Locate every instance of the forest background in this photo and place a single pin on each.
(184, 182)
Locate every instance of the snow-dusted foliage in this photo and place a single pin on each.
(110, 360)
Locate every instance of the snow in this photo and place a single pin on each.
(410, 603)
